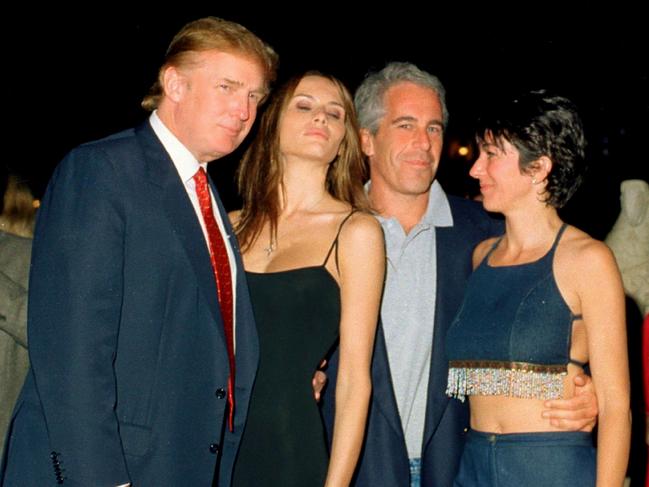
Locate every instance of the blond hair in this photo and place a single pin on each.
(18, 211)
(212, 33)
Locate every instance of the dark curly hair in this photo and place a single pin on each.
(540, 124)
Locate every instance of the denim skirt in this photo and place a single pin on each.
(552, 459)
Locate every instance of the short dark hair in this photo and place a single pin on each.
(539, 124)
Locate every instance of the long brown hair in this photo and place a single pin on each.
(260, 174)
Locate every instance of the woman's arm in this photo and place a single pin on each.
(577, 413)
(601, 295)
(234, 217)
(361, 254)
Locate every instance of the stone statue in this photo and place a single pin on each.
(629, 241)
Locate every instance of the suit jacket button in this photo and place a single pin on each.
(214, 448)
(220, 393)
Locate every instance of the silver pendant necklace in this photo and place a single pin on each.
(270, 249)
(272, 244)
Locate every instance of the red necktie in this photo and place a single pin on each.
(223, 276)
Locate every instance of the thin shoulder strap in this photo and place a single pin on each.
(575, 317)
(577, 362)
(491, 250)
(564, 225)
(334, 244)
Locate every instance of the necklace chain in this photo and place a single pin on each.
(273, 243)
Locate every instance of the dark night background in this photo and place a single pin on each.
(86, 74)
(87, 78)
(77, 75)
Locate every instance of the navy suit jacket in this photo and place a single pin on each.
(384, 458)
(129, 361)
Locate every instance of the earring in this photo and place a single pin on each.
(534, 181)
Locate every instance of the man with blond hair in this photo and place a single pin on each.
(140, 323)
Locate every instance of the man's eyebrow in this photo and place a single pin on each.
(410, 118)
(404, 118)
(233, 82)
(262, 90)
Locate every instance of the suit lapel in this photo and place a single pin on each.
(180, 213)
(246, 335)
(446, 242)
(383, 397)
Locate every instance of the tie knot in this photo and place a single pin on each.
(200, 177)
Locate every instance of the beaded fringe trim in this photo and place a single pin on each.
(514, 379)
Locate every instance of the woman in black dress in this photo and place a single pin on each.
(315, 262)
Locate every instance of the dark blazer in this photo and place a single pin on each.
(384, 458)
(129, 362)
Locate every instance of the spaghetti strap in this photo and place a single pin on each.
(558, 237)
(334, 244)
(575, 318)
(550, 253)
(491, 250)
(577, 363)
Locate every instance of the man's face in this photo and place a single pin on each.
(216, 102)
(406, 149)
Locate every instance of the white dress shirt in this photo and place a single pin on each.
(187, 166)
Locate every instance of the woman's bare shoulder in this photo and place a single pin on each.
(587, 256)
(234, 216)
(482, 249)
(361, 225)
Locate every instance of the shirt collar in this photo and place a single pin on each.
(184, 161)
(438, 213)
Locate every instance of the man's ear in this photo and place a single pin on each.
(367, 142)
(174, 83)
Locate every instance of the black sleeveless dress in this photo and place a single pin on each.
(298, 317)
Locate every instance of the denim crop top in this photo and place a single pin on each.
(512, 333)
